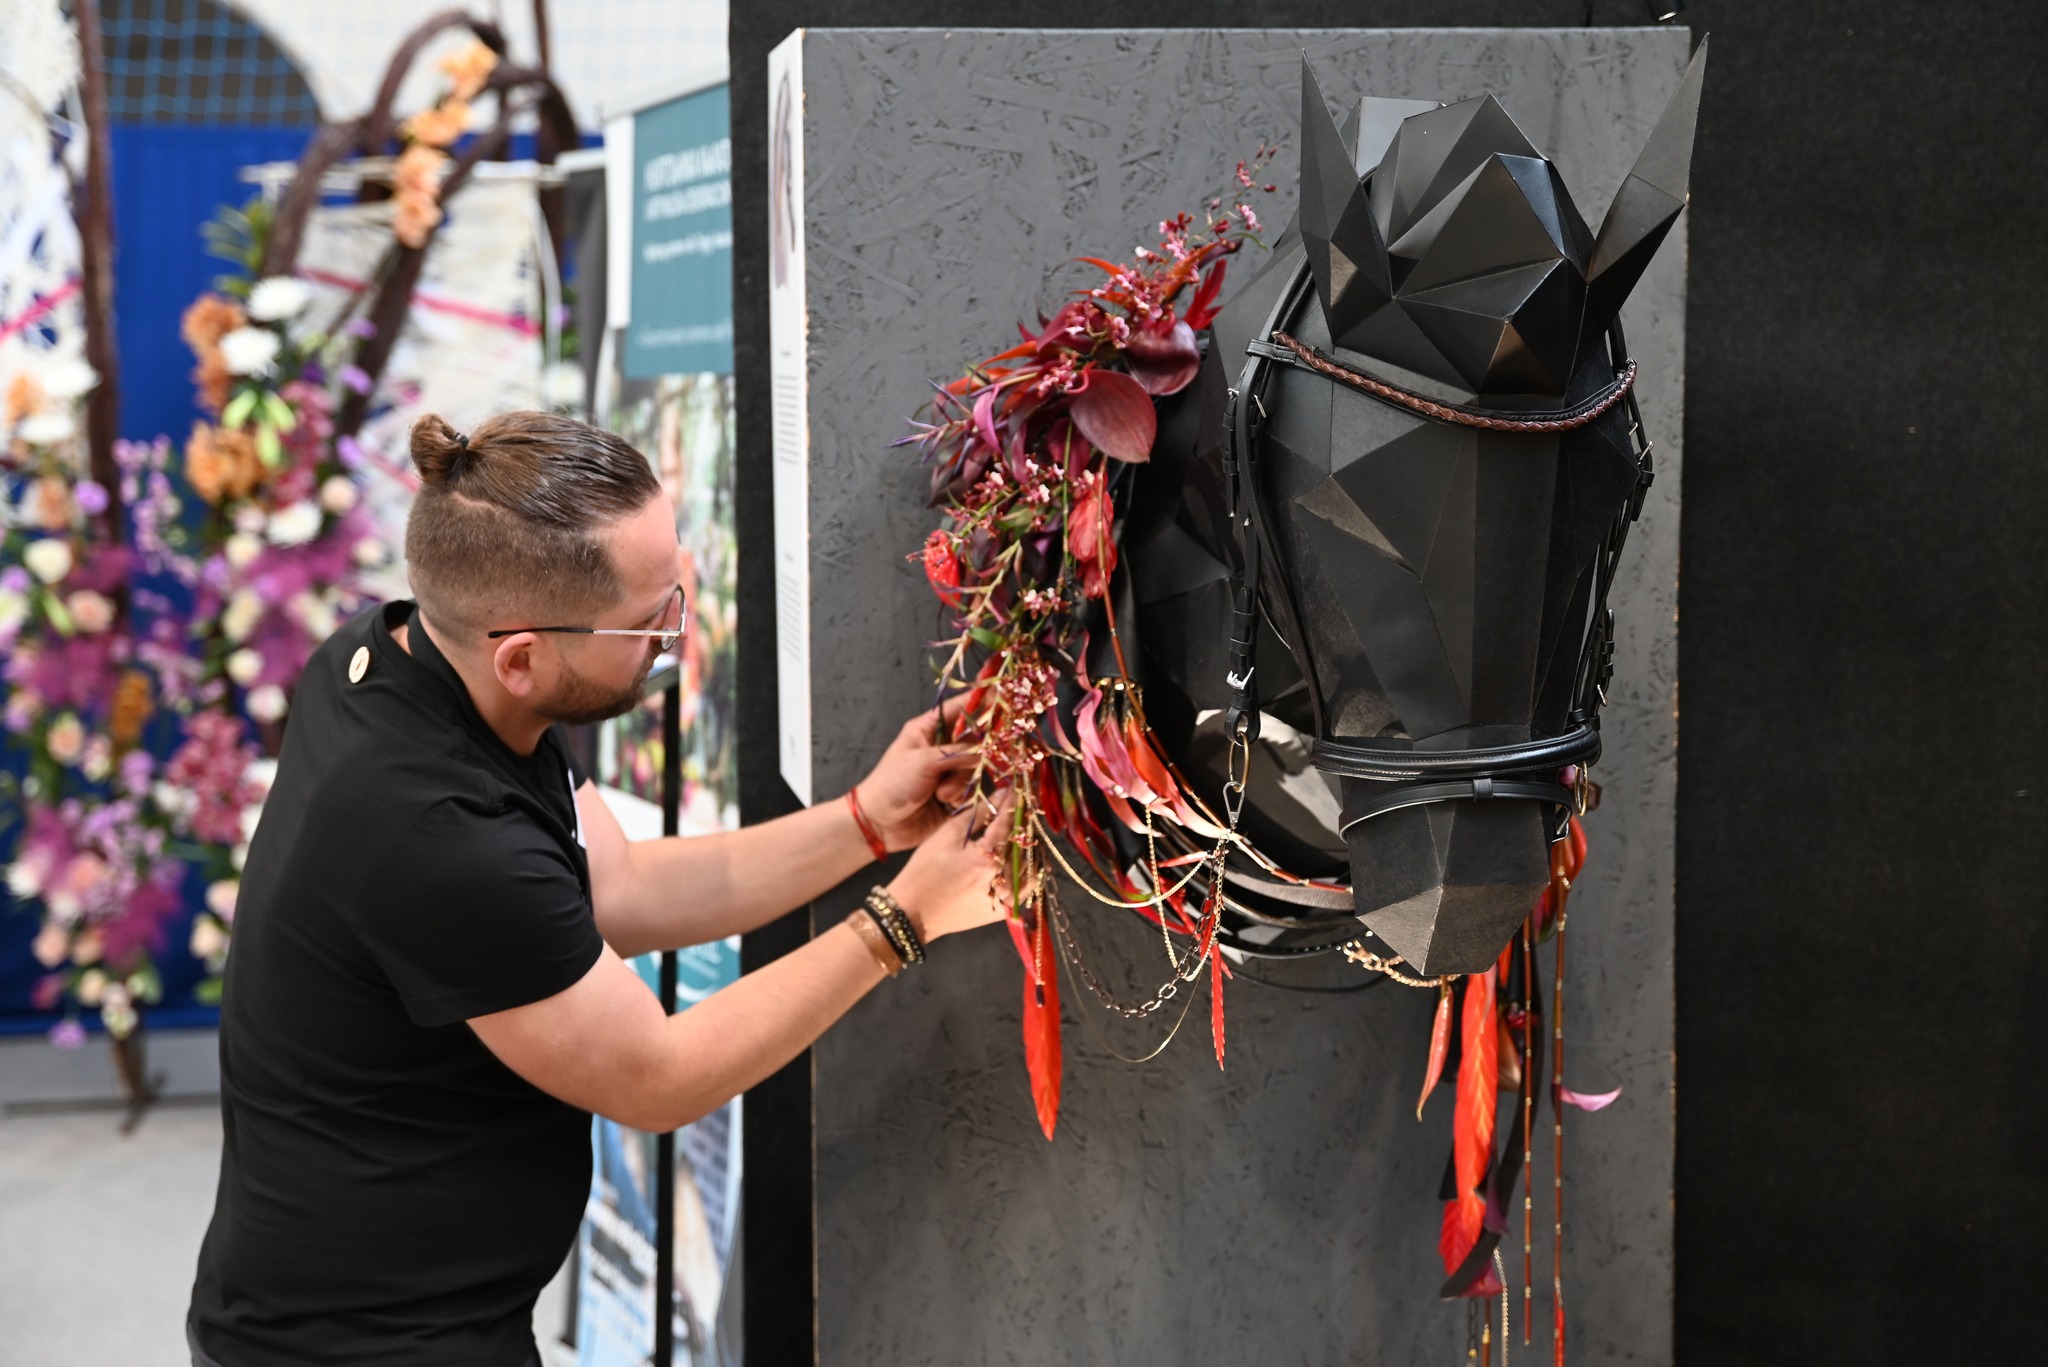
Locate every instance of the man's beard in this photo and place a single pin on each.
(581, 700)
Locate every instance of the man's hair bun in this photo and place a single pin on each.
(439, 452)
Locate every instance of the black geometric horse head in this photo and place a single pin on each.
(1379, 536)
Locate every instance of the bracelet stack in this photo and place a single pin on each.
(877, 942)
(888, 916)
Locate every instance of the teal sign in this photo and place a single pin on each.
(681, 322)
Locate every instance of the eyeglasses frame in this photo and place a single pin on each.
(669, 639)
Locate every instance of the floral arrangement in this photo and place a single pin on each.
(255, 531)
(280, 535)
(1027, 450)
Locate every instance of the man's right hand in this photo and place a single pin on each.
(954, 880)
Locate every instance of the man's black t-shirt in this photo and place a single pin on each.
(390, 1192)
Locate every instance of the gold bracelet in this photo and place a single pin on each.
(896, 922)
(877, 943)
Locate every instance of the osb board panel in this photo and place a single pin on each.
(1284, 1210)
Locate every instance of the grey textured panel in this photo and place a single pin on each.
(1283, 1211)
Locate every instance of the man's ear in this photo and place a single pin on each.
(517, 663)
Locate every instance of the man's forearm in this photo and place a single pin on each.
(692, 890)
(740, 1035)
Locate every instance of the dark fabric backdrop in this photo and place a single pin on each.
(1860, 839)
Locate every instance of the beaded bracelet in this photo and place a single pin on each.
(895, 922)
(877, 941)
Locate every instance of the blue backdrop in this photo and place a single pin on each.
(168, 180)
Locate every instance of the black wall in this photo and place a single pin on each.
(1861, 958)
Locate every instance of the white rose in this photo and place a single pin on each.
(92, 986)
(65, 740)
(278, 297)
(46, 428)
(294, 526)
(13, 611)
(261, 772)
(99, 759)
(251, 818)
(244, 665)
(266, 703)
(250, 351)
(70, 378)
(249, 520)
(48, 558)
(241, 548)
(208, 939)
(64, 905)
(25, 880)
(91, 611)
(220, 897)
(338, 494)
(238, 856)
(173, 801)
(370, 552)
(315, 614)
(240, 616)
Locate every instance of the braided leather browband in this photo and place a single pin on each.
(1491, 419)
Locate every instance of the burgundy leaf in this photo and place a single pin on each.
(1115, 413)
(1164, 362)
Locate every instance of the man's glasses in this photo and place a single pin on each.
(667, 636)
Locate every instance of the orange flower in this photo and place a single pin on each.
(213, 379)
(221, 464)
(418, 171)
(469, 68)
(210, 318)
(415, 218)
(439, 126)
(130, 711)
(51, 504)
(24, 396)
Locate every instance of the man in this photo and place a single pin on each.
(427, 995)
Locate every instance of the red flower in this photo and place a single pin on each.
(942, 567)
(1090, 539)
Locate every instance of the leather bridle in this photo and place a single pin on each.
(1528, 770)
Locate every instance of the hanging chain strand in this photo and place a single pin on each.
(1500, 1271)
(1184, 971)
(1528, 1122)
(1357, 952)
(1557, 1138)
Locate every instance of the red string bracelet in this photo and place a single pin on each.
(867, 827)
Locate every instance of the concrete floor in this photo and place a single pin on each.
(99, 1232)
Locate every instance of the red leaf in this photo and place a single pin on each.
(1472, 1124)
(1202, 311)
(1115, 413)
(1107, 267)
(1068, 447)
(1216, 1001)
(1439, 1046)
(1042, 1035)
(1164, 362)
(1556, 1331)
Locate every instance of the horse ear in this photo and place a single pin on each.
(1345, 253)
(1647, 204)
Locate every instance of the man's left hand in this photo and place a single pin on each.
(900, 794)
